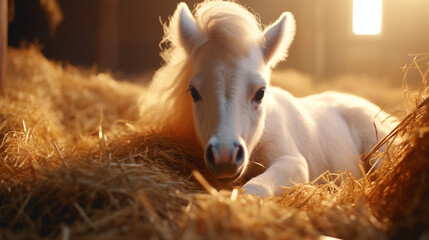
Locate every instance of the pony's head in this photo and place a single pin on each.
(231, 60)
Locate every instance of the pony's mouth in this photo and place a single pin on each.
(222, 179)
(230, 180)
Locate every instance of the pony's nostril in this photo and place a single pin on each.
(239, 157)
(210, 155)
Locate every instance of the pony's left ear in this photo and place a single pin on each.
(277, 39)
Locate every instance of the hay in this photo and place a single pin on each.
(403, 187)
(75, 163)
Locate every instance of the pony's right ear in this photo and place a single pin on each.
(278, 37)
(188, 30)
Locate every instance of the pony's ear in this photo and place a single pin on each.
(188, 29)
(277, 39)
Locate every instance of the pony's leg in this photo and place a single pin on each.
(372, 132)
(284, 171)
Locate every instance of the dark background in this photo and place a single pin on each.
(123, 35)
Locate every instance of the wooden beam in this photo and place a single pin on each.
(3, 43)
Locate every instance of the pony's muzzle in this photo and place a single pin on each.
(225, 161)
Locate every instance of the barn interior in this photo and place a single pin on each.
(123, 36)
(76, 164)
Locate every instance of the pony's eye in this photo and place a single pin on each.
(259, 95)
(194, 93)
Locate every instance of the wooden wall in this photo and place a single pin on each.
(123, 35)
(3, 43)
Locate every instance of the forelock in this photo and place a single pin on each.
(229, 25)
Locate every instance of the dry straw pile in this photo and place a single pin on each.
(75, 164)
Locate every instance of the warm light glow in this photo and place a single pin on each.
(367, 17)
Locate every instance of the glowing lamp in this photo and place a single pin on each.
(367, 17)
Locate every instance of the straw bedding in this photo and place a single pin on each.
(76, 164)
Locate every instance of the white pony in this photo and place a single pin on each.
(223, 59)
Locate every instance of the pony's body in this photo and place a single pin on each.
(327, 131)
(224, 60)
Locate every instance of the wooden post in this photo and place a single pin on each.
(108, 37)
(3, 43)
